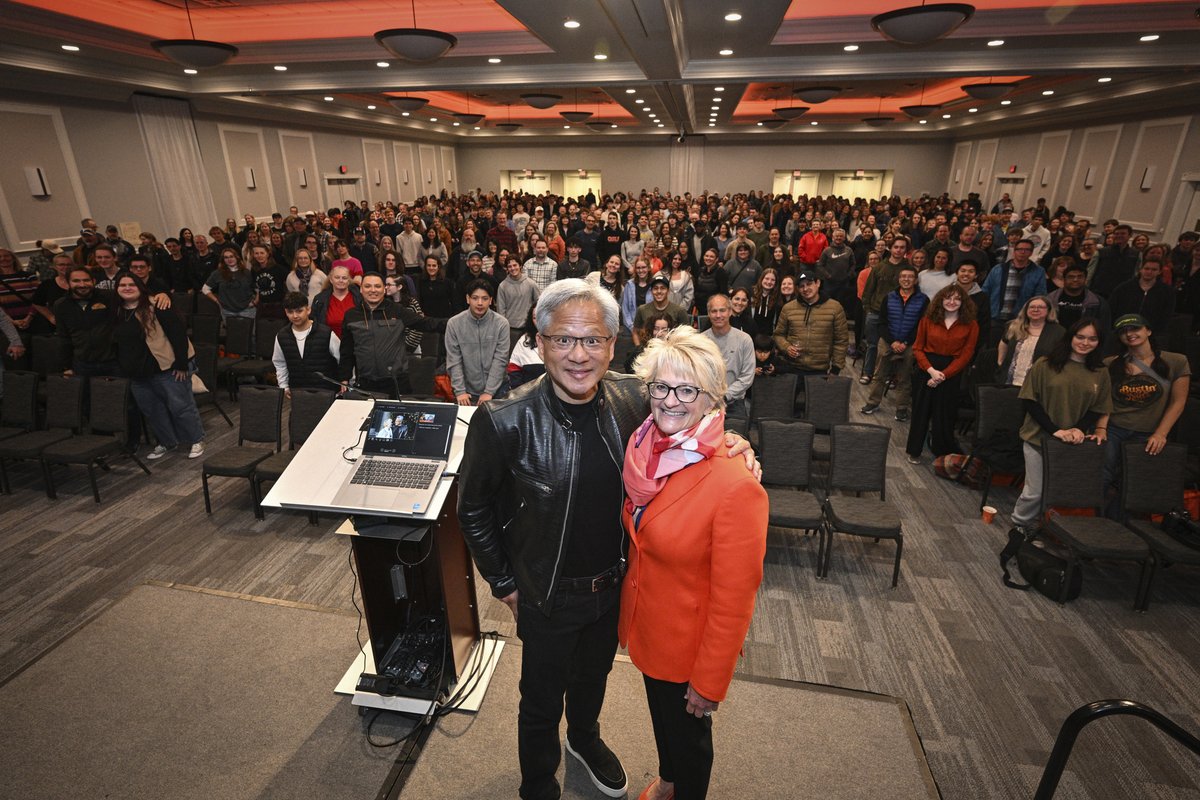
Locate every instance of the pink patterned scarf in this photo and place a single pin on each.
(651, 456)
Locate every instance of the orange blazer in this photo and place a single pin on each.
(695, 564)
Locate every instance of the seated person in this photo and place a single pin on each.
(303, 348)
(525, 363)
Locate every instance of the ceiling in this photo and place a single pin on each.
(662, 70)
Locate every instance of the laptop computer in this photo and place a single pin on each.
(405, 453)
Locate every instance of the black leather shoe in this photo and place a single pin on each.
(602, 766)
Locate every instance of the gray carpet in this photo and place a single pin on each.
(771, 739)
(184, 694)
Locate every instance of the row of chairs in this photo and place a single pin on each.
(63, 438)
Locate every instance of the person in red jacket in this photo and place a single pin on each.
(944, 347)
(810, 247)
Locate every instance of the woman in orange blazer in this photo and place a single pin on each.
(698, 524)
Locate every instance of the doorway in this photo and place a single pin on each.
(1014, 186)
(341, 188)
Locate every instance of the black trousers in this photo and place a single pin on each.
(566, 656)
(684, 742)
(934, 411)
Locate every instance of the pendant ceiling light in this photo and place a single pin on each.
(988, 91)
(921, 109)
(509, 126)
(772, 123)
(879, 119)
(467, 118)
(791, 112)
(416, 44)
(194, 53)
(409, 103)
(541, 100)
(922, 24)
(817, 94)
(576, 115)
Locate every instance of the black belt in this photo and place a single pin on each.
(597, 583)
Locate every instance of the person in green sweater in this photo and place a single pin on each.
(883, 279)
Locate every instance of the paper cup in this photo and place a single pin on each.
(989, 513)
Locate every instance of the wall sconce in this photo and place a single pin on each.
(1045, 179)
(958, 176)
(404, 176)
(303, 176)
(378, 178)
(38, 185)
(449, 179)
(1089, 178)
(1148, 178)
(250, 178)
(979, 176)
(429, 176)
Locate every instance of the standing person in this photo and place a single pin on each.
(741, 318)
(900, 315)
(539, 496)
(610, 278)
(943, 349)
(330, 306)
(435, 291)
(305, 277)
(303, 349)
(541, 269)
(683, 293)
(1031, 335)
(660, 294)
(765, 302)
(966, 275)
(1115, 263)
(1067, 394)
(737, 353)
(1074, 300)
(883, 278)
(153, 351)
(1012, 283)
(477, 346)
(48, 293)
(631, 248)
(1145, 295)
(232, 287)
(742, 269)
(84, 324)
(1149, 391)
(574, 266)
(836, 267)
(695, 558)
(811, 334)
(710, 278)
(940, 274)
(341, 257)
(515, 297)
(635, 294)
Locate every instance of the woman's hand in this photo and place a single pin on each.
(936, 375)
(1155, 444)
(181, 375)
(698, 706)
(1069, 435)
(1099, 436)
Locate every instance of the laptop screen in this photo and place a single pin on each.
(420, 430)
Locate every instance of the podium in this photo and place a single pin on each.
(406, 568)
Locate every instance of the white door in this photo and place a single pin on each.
(1014, 185)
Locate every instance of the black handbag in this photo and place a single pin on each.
(1045, 571)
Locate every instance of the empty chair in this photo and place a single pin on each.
(307, 408)
(739, 425)
(206, 329)
(771, 397)
(261, 418)
(45, 355)
(1156, 486)
(18, 412)
(64, 416)
(431, 346)
(206, 371)
(999, 414)
(826, 403)
(183, 304)
(1073, 477)
(421, 370)
(858, 462)
(785, 452)
(702, 323)
(239, 344)
(108, 419)
(259, 364)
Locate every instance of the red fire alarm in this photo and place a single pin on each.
(1012, 169)
(344, 169)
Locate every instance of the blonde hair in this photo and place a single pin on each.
(686, 352)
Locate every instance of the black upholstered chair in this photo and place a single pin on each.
(999, 414)
(826, 403)
(308, 406)
(421, 370)
(771, 397)
(261, 421)
(239, 345)
(858, 463)
(64, 417)
(785, 451)
(18, 411)
(1154, 485)
(206, 329)
(206, 370)
(259, 364)
(1073, 477)
(108, 421)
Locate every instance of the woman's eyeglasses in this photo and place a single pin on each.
(683, 393)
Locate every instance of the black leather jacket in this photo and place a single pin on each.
(518, 470)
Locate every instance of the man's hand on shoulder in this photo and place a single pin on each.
(737, 445)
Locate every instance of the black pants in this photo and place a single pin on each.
(934, 411)
(566, 655)
(684, 742)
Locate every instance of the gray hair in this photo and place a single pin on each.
(686, 352)
(575, 290)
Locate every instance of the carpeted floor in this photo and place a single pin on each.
(177, 693)
(815, 733)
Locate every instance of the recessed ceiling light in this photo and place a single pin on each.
(726, 52)
(639, 101)
(570, 23)
(370, 108)
(457, 124)
(814, 122)
(715, 108)
(850, 48)
(280, 68)
(712, 124)
(190, 71)
(614, 125)
(405, 114)
(996, 43)
(1006, 102)
(1149, 37)
(433, 119)
(382, 64)
(565, 126)
(631, 91)
(732, 16)
(719, 89)
(945, 116)
(1047, 93)
(71, 48)
(653, 116)
(759, 124)
(600, 57)
(923, 122)
(661, 125)
(328, 99)
(972, 110)
(493, 60)
(716, 99)
(1103, 80)
(476, 127)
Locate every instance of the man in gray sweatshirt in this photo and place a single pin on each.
(515, 296)
(477, 348)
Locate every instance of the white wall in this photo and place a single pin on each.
(918, 167)
(1056, 163)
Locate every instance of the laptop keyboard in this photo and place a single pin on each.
(394, 474)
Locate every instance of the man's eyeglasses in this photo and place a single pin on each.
(683, 393)
(563, 344)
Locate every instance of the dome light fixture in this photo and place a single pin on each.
(877, 122)
(416, 44)
(817, 94)
(988, 91)
(408, 103)
(575, 116)
(921, 110)
(791, 112)
(923, 24)
(194, 53)
(508, 127)
(542, 100)
(772, 123)
(468, 118)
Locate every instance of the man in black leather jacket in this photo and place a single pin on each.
(540, 497)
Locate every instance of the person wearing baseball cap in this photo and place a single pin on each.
(42, 262)
(660, 290)
(1149, 391)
